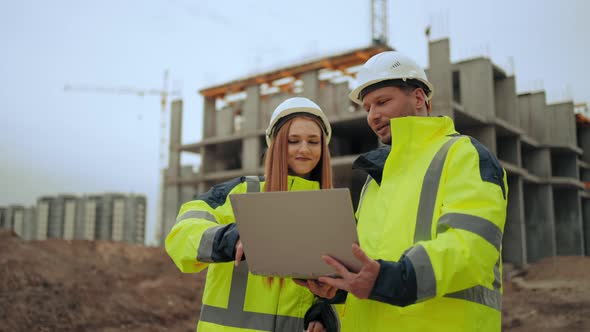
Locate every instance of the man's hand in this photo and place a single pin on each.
(359, 284)
(318, 288)
(239, 253)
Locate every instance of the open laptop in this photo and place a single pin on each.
(285, 233)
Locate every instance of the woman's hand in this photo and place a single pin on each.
(317, 288)
(239, 253)
(315, 326)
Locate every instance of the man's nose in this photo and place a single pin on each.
(374, 115)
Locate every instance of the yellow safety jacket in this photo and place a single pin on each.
(437, 200)
(234, 299)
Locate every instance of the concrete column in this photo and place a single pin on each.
(188, 192)
(311, 85)
(538, 162)
(171, 196)
(172, 205)
(251, 145)
(514, 241)
(509, 149)
(251, 111)
(476, 81)
(524, 110)
(175, 137)
(342, 103)
(584, 142)
(209, 118)
(565, 164)
(440, 74)
(224, 122)
(506, 100)
(586, 225)
(540, 224)
(326, 97)
(540, 118)
(484, 134)
(568, 222)
(563, 125)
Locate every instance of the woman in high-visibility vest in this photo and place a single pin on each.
(205, 234)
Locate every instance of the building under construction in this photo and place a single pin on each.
(544, 148)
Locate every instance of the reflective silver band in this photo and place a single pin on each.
(235, 315)
(478, 294)
(425, 279)
(477, 225)
(423, 231)
(206, 244)
(197, 214)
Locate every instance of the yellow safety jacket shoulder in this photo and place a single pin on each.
(233, 298)
(436, 200)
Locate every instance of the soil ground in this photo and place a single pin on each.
(59, 285)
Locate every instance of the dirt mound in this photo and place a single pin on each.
(550, 295)
(58, 285)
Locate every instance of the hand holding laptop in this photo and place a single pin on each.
(359, 284)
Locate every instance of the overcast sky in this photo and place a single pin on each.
(53, 141)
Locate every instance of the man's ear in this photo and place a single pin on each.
(420, 98)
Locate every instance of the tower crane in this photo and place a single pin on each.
(164, 93)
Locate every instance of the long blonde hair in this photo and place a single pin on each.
(276, 167)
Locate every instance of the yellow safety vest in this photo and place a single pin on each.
(440, 199)
(234, 299)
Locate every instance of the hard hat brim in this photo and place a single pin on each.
(355, 93)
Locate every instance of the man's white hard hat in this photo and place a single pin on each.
(390, 65)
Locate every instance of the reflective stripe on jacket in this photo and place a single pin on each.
(234, 299)
(439, 199)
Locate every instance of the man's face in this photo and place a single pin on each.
(387, 103)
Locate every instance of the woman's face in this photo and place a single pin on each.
(305, 146)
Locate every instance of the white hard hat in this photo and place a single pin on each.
(297, 105)
(390, 65)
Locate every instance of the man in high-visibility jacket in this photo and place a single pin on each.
(430, 217)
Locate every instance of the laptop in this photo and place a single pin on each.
(285, 233)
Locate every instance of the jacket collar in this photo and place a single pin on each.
(373, 162)
(407, 133)
(299, 183)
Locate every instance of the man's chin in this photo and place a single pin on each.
(385, 140)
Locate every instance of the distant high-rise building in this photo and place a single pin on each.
(104, 226)
(135, 206)
(62, 216)
(2, 218)
(43, 216)
(86, 217)
(30, 224)
(18, 219)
